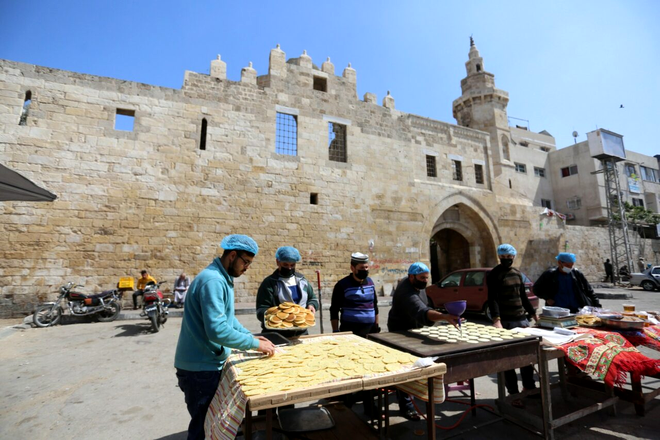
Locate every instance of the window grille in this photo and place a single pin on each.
(521, 168)
(286, 134)
(337, 142)
(539, 172)
(546, 203)
(479, 173)
(456, 170)
(574, 203)
(430, 166)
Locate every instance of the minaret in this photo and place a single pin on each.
(483, 106)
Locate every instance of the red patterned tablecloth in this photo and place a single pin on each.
(610, 356)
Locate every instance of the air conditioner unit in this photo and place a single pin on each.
(570, 216)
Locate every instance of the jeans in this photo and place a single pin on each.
(198, 388)
(135, 296)
(527, 373)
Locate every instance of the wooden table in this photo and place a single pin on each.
(466, 361)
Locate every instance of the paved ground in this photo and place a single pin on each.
(116, 380)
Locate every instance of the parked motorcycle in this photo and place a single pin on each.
(105, 306)
(154, 307)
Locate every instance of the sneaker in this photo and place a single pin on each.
(411, 414)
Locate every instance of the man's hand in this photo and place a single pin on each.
(497, 324)
(535, 317)
(550, 302)
(312, 308)
(265, 346)
(453, 320)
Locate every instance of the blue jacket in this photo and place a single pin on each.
(209, 329)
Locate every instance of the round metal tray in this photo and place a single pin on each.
(623, 325)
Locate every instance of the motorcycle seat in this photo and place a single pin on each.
(104, 294)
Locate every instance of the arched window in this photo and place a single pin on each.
(478, 68)
(505, 148)
(202, 138)
(26, 108)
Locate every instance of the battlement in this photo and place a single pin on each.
(285, 74)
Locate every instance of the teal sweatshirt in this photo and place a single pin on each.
(209, 329)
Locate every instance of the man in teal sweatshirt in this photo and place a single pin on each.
(210, 330)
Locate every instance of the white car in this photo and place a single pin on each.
(648, 280)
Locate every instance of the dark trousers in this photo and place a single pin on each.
(135, 296)
(405, 402)
(609, 276)
(198, 388)
(527, 373)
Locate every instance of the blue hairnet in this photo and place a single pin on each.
(288, 254)
(566, 257)
(417, 268)
(237, 242)
(506, 249)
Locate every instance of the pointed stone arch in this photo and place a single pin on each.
(462, 222)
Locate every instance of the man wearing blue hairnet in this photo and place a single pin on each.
(411, 308)
(509, 308)
(285, 285)
(565, 286)
(210, 330)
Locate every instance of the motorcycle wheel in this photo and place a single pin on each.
(45, 316)
(154, 322)
(109, 314)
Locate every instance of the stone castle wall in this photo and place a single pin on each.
(150, 198)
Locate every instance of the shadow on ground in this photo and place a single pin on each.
(133, 329)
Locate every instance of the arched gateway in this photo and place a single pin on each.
(462, 235)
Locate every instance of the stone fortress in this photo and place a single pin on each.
(291, 157)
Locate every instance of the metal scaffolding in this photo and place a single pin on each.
(616, 217)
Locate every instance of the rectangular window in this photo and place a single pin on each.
(430, 166)
(286, 134)
(637, 202)
(456, 170)
(320, 84)
(546, 203)
(337, 142)
(479, 173)
(521, 168)
(630, 169)
(124, 119)
(569, 171)
(539, 172)
(574, 203)
(649, 174)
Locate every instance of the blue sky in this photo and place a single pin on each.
(567, 65)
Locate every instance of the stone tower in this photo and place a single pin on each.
(483, 106)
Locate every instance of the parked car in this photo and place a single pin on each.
(648, 280)
(470, 285)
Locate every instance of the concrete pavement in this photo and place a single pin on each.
(116, 380)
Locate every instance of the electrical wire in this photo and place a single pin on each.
(460, 420)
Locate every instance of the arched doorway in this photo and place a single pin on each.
(461, 238)
(450, 251)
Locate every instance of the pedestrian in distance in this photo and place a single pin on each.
(609, 273)
(181, 285)
(510, 308)
(565, 286)
(285, 285)
(144, 279)
(210, 330)
(641, 265)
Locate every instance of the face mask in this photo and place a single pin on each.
(362, 274)
(566, 269)
(286, 272)
(506, 262)
(419, 285)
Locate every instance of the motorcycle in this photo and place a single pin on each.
(105, 306)
(154, 307)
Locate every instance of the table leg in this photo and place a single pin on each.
(544, 382)
(636, 386)
(501, 393)
(247, 423)
(269, 424)
(473, 399)
(430, 412)
(561, 367)
(379, 426)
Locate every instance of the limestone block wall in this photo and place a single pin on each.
(151, 198)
